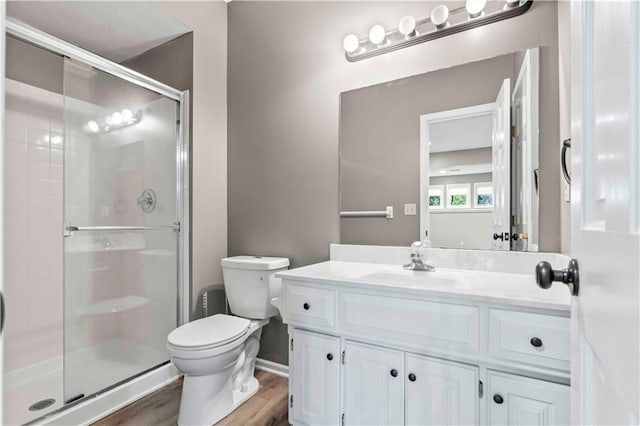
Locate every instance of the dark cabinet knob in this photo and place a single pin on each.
(536, 342)
(498, 399)
(412, 377)
(394, 373)
(498, 237)
(306, 306)
(330, 357)
(515, 237)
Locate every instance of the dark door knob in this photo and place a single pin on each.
(535, 342)
(330, 357)
(546, 275)
(394, 373)
(412, 377)
(498, 399)
(498, 237)
(306, 306)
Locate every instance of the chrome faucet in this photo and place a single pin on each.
(417, 258)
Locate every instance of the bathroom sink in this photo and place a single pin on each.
(432, 279)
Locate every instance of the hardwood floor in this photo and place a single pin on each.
(267, 408)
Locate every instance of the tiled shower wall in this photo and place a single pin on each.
(33, 225)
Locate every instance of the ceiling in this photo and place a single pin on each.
(469, 132)
(116, 30)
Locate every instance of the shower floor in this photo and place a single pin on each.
(45, 380)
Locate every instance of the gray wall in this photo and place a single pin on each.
(380, 143)
(286, 70)
(33, 65)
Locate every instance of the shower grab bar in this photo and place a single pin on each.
(174, 227)
(387, 214)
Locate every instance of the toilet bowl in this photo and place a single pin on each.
(217, 354)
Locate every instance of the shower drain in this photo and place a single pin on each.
(41, 405)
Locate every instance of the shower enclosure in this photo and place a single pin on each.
(105, 266)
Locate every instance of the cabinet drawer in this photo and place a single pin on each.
(309, 305)
(532, 338)
(419, 323)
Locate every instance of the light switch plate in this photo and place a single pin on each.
(409, 209)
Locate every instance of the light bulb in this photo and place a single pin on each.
(407, 26)
(117, 118)
(475, 7)
(377, 34)
(93, 126)
(439, 16)
(351, 43)
(127, 115)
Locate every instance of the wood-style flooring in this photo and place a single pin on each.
(267, 407)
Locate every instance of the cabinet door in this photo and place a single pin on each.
(516, 400)
(440, 392)
(316, 378)
(373, 385)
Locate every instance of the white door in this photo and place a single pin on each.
(525, 170)
(604, 212)
(501, 166)
(316, 379)
(2, 314)
(516, 401)
(374, 385)
(440, 392)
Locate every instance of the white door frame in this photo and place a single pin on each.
(427, 120)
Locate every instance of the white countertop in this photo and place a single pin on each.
(479, 285)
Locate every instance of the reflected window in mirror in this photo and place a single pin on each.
(483, 195)
(436, 196)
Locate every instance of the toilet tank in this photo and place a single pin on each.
(250, 284)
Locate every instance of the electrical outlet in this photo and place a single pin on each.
(409, 209)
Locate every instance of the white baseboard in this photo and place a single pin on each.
(102, 405)
(272, 367)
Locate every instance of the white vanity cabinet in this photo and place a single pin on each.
(366, 355)
(441, 392)
(374, 384)
(316, 360)
(515, 400)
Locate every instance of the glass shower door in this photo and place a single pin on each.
(120, 238)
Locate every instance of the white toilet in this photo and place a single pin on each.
(217, 354)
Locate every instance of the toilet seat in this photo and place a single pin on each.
(208, 333)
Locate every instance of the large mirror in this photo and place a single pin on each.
(452, 154)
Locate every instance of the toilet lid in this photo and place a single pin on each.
(211, 331)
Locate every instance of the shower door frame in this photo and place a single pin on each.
(68, 50)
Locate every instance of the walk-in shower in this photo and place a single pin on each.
(96, 228)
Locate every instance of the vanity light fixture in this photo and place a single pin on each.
(117, 120)
(475, 8)
(407, 26)
(441, 23)
(439, 16)
(93, 126)
(351, 43)
(378, 35)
